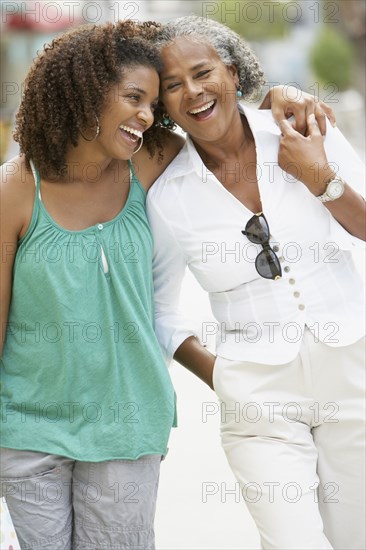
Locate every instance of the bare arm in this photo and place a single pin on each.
(197, 359)
(350, 211)
(149, 169)
(287, 101)
(15, 213)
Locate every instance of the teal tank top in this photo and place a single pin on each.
(82, 373)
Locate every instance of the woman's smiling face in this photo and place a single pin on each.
(197, 89)
(128, 111)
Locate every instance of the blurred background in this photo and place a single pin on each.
(316, 45)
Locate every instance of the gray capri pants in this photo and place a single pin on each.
(60, 504)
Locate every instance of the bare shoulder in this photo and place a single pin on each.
(15, 176)
(17, 190)
(148, 168)
(172, 146)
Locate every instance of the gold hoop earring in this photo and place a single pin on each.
(96, 132)
(139, 147)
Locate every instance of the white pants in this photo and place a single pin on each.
(294, 436)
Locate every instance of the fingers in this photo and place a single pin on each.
(297, 106)
(328, 112)
(279, 99)
(320, 117)
(278, 112)
(286, 127)
(321, 112)
(313, 130)
(313, 127)
(317, 119)
(304, 107)
(299, 113)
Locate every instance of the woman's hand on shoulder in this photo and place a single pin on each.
(304, 157)
(148, 168)
(287, 101)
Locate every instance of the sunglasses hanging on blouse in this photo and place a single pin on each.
(267, 263)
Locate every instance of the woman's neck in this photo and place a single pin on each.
(228, 149)
(83, 165)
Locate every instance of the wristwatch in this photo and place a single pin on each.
(333, 191)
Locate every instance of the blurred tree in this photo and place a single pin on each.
(256, 21)
(352, 23)
(332, 59)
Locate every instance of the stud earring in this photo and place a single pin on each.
(166, 120)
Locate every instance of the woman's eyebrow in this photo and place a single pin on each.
(133, 88)
(194, 68)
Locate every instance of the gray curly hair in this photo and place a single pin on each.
(229, 46)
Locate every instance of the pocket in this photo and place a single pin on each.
(19, 465)
(38, 503)
(18, 479)
(23, 470)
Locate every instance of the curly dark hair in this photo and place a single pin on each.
(67, 85)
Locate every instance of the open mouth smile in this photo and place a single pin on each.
(131, 134)
(203, 112)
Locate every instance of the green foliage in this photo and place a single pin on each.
(332, 59)
(253, 20)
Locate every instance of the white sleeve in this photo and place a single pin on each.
(169, 265)
(348, 166)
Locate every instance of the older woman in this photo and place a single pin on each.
(274, 253)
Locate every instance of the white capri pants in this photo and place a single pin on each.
(294, 436)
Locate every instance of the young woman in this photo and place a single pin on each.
(274, 253)
(87, 402)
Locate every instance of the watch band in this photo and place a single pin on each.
(326, 197)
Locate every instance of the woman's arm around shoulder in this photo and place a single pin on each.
(17, 191)
(148, 168)
(286, 101)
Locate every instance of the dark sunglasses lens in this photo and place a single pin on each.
(257, 230)
(268, 265)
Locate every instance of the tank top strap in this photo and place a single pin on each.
(36, 204)
(135, 182)
(37, 180)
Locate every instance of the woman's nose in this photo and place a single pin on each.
(146, 116)
(193, 89)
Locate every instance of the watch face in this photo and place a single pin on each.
(335, 189)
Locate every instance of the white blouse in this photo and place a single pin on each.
(197, 222)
